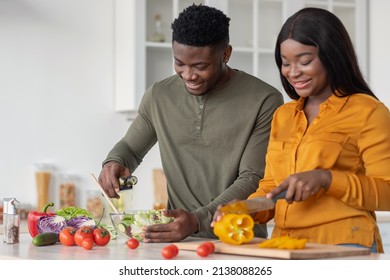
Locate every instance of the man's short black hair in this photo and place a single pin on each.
(201, 26)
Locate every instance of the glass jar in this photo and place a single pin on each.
(67, 190)
(95, 203)
(43, 176)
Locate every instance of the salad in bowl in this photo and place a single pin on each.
(130, 223)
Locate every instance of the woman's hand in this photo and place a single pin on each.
(301, 185)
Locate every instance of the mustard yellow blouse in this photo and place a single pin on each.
(351, 138)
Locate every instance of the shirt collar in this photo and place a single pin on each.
(333, 102)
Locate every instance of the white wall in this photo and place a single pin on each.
(56, 96)
(379, 54)
(56, 92)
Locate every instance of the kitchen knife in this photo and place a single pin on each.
(252, 205)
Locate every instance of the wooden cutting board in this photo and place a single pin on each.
(311, 251)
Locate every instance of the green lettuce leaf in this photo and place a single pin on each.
(72, 212)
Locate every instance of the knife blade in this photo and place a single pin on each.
(252, 205)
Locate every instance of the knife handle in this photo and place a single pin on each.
(279, 196)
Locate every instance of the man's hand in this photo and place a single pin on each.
(184, 224)
(109, 177)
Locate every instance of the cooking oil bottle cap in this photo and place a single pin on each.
(10, 206)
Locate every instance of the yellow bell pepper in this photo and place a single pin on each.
(284, 242)
(237, 208)
(234, 229)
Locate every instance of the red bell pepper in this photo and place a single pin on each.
(33, 217)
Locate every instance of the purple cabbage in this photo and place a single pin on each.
(53, 223)
(78, 222)
(56, 223)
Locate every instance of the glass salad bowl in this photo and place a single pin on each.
(129, 223)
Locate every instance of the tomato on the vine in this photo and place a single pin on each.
(87, 243)
(83, 233)
(132, 243)
(66, 236)
(101, 236)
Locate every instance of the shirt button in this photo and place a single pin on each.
(355, 228)
(199, 116)
(201, 106)
(198, 127)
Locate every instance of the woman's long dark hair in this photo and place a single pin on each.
(322, 29)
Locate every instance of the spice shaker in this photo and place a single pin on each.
(11, 221)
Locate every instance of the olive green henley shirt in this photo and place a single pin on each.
(212, 146)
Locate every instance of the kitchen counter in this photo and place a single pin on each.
(117, 250)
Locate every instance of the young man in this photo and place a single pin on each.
(212, 125)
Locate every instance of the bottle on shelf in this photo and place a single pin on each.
(158, 35)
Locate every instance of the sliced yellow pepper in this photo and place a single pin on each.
(284, 242)
(234, 229)
(238, 207)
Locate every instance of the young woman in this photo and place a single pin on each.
(330, 146)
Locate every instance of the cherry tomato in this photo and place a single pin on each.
(175, 249)
(210, 245)
(66, 236)
(87, 243)
(168, 252)
(83, 233)
(202, 250)
(101, 236)
(132, 243)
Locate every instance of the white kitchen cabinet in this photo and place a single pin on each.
(140, 60)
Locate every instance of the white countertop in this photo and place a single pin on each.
(117, 250)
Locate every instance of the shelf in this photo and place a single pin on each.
(254, 27)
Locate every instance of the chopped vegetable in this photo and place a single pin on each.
(80, 221)
(234, 229)
(133, 223)
(284, 242)
(53, 223)
(237, 208)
